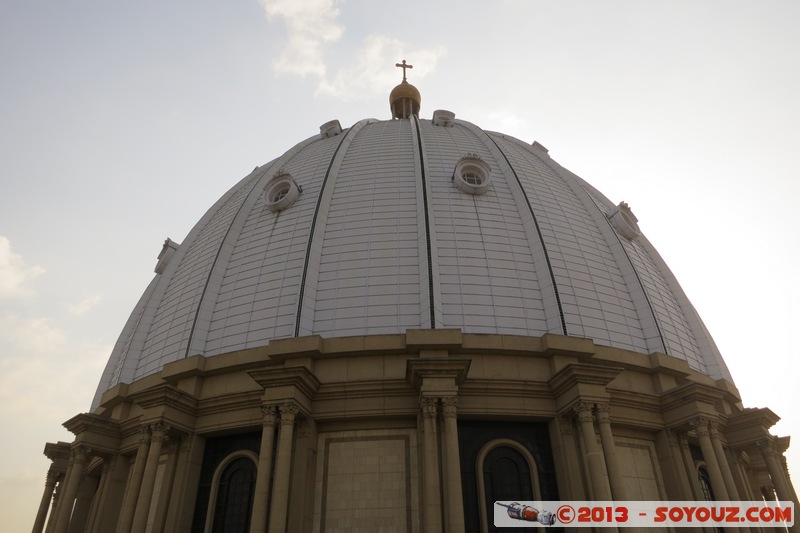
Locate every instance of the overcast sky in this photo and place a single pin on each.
(122, 122)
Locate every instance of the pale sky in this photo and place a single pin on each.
(122, 122)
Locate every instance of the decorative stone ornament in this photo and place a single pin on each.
(624, 221)
(471, 174)
(330, 128)
(281, 191)
(444, 118)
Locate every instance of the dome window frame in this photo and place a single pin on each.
(624, 221)
(281, 191)
(472, 174)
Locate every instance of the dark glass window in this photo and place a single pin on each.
(216, 450)
(506, 476)
(705, 484)
(504, 468)
(235, 497)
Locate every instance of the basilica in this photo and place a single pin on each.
(390, 327)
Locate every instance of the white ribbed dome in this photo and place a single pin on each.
(372, 231)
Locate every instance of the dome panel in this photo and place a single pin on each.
(487, 278)
(380, 240)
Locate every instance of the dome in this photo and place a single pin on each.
(393, 225)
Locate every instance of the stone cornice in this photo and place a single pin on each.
(420, 370)
(747, 426)
(581, 382)
(165, 395)
(296, 376)
(94, 431)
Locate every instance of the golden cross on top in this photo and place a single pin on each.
(404, 67)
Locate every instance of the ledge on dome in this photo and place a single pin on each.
(540, 147)
(167, 251)
(443, 118)
(330, 129)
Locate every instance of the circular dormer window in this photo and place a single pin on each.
(624, 221)
(471, 175)
(281, 192)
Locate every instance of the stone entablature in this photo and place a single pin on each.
(606, 409)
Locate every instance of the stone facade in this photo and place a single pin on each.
(362, 434)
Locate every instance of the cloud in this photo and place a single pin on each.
(311, 24)
(84, 305)
(41, 368)
(14, 273)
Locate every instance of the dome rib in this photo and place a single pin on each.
(304, 323)
(542, 243)
(429, 245)
(597, 207)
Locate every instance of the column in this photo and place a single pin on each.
(568, 459)
(610, 453)
(258, 521)
(776, 474)
(773, 467)
(51, 521)
(701, 425)
(76, 463)
(47, 497)
(594, 458)
(455, 501)
(433, 517)
(157, 435)
(688, 464)
(283, 468)
(187, 477)
(670, 459)
(132, 492)
(724, 466)
(163, 499)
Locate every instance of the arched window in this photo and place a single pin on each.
(506, 471)
(705, 484)
(231, 502)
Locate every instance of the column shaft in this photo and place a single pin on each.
(688, 464)
(44, 505)
(714, 472)
(283, 468)
(775, 471)
(258, 520)
(148, 479)
(610, 454)
(433, 508)
(455, 502)
(74, 477)
(724, 466)
(132, 492)
(594, 457)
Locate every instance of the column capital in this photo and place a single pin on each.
(766, 446)
(584, 411)
(450, 406)
(144, 434)
(603, 413)
(428, 406)
(288, 413)
(701, 425)
(672, 437)
(269, 415)
(79, 454)
(159, 430)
